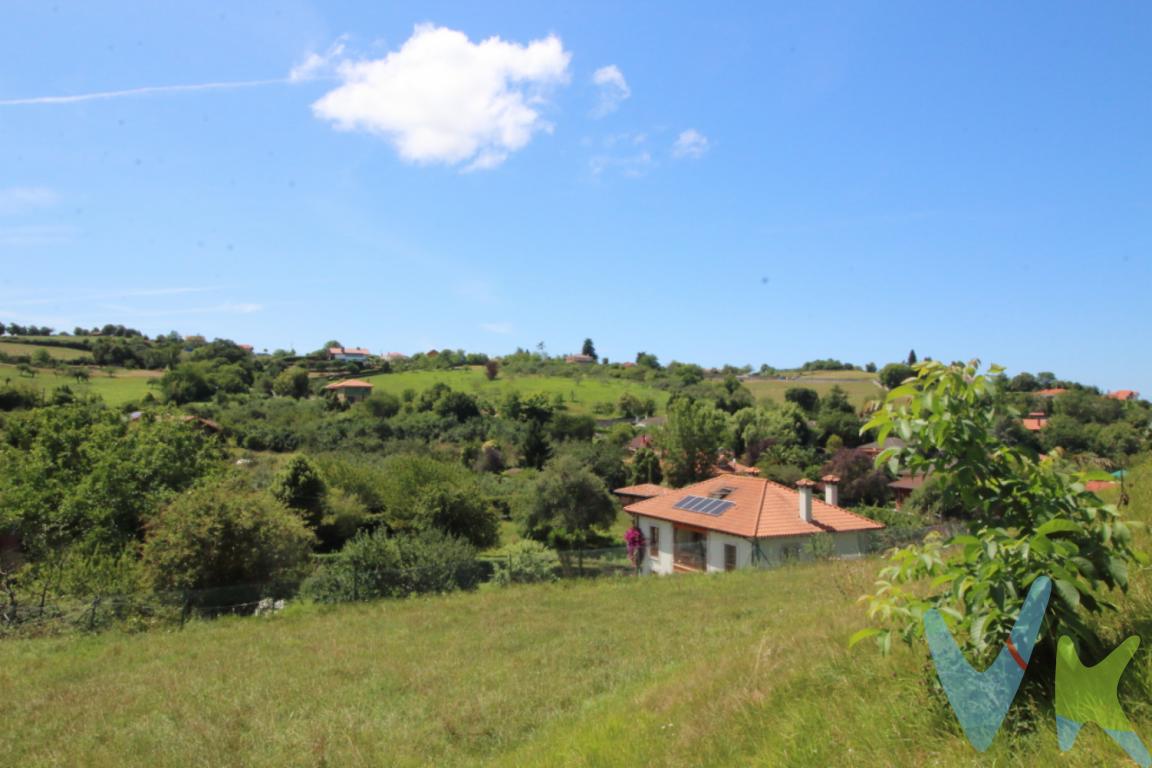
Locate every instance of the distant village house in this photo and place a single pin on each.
(350, 391)
(348, 354)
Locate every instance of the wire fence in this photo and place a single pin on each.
(334, 581)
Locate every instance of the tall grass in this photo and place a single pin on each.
(747, 668)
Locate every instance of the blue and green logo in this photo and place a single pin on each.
(1083, 694)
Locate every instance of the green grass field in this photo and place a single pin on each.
(56, 353)
(581, 394)
(857, 384)
(747, 668)
(123, 387)
(735, 669)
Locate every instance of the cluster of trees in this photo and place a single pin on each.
(155, 505)
(15, 329)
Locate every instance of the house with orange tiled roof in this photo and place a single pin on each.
(1124, 394)
(350, 390)
(737, 521)
(1051, 392)
(1035, 421)
(349, 354)
(631, 493)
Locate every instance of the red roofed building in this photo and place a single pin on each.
(350, 390)
(1055, 391)
(1124, 394)
(736, 521)
(584, 359)
(349, 354)
(632, 493)
(1035, 421)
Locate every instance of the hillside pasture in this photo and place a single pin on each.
(581, 393)
(56, 353)
(122, 386)
(858, 385)
(745, 668)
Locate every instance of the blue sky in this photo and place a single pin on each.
(714, 183)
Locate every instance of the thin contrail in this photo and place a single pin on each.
(101, 95)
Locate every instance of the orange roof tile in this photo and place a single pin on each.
(1034, 422)
(647, 490)
(349, 384)
(1124, 394)
(760, 508)
(1051, 392)
(1099, 485)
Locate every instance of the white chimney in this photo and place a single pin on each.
(831, 490)
(804, 486)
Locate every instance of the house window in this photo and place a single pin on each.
(729, 557)
(654, 541)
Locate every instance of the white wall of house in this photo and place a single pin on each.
(774, 550)
(662, 561)
(716, 543)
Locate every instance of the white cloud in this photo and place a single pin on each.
(613, 89)
(632, 166)
(20, 199)
(317, 65)
(443, 99)
(503, 328)
(690, 143)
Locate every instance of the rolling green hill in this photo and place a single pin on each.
(580, 393)
(55, 352)
(857, 384)
(746, 668)
(123, 386)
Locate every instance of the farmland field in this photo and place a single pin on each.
(56, 353)
(857, 384)
(580, 393)
(123, 387)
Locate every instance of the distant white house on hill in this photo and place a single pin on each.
(734, 521)
(348, 354)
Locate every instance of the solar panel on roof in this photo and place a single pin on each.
(703, 505)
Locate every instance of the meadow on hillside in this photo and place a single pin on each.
(116, 387)
(580, 393)
(744, 668)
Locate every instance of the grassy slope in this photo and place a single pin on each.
(742, 669)
(57, 353)
(857, 384)
(125, 386)
(580, 393)
(747, 668)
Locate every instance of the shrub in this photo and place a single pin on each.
(375, 565)
(458, 513)
(222, 534)
(1028, 518)
(526, 562)
(300, 486)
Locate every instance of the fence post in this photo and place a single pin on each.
(92, 615)
(511, 575)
